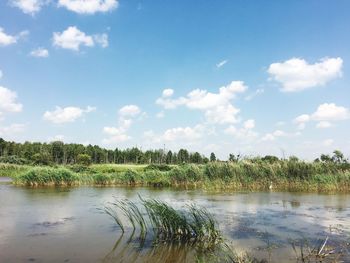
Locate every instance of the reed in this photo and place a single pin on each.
(194, 225)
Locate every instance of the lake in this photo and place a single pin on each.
(67, 225)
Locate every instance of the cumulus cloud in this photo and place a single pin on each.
(40, 53)
(8, 101)
(13, 128)
(88, 6)
(6, 39)
(183, 133)
(72, 38)
(325, 114)
(278, 134)
(246, 132)
(221, 63)
(167, 93)
(126, 116)
(324, 124)
(216, 106)
(177, 135)
(297, 74)
(129, 110)
(29, 6)
(67, 114)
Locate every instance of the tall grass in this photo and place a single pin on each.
(242, 175)
(40, 176)
(167, 224)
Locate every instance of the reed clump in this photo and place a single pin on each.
(165, 223)
(282, 175)
(44, 176)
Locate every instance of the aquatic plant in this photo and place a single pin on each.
(167, 224)
(46, 176)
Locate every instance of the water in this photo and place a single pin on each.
(66, 225)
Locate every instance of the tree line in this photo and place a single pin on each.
(57, 152)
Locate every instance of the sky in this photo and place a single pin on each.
(243, 77)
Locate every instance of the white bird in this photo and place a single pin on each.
(270, 186)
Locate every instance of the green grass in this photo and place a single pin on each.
(243, 175)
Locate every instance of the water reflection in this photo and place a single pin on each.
(53, 224)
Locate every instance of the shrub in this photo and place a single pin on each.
(84, 159)
(13, 159)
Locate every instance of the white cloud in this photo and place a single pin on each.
(325, 114)
(29, 6)
(278, 134)
(40, 53)
(324, 124)
(8, 101)
(216, 106)
(6, 39)
(1, 74)
(167, 93)
(222, 114)
(296, 74)
(129, 110)
(116, 135)
(119, 134)
(268, 137)
(254, 94)
(183, 133)
(67, 114)
(221, 63)
(72, 38)
(328, 142)
(10, 130)
(58, 137)
(88, 6)
(302, 118)
(330, 112)
(160, 114)
(249, 124)
(101, 39)
(246, 132)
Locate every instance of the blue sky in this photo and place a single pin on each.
(249, 77)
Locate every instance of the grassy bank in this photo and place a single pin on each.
(243, 175)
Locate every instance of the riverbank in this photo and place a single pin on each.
(277, 176)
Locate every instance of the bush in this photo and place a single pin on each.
(84, 159)
(13, 159)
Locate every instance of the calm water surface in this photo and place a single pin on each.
(66, 225)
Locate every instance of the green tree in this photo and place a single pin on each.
(212, 157)
(169, 157)
(84, 159)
